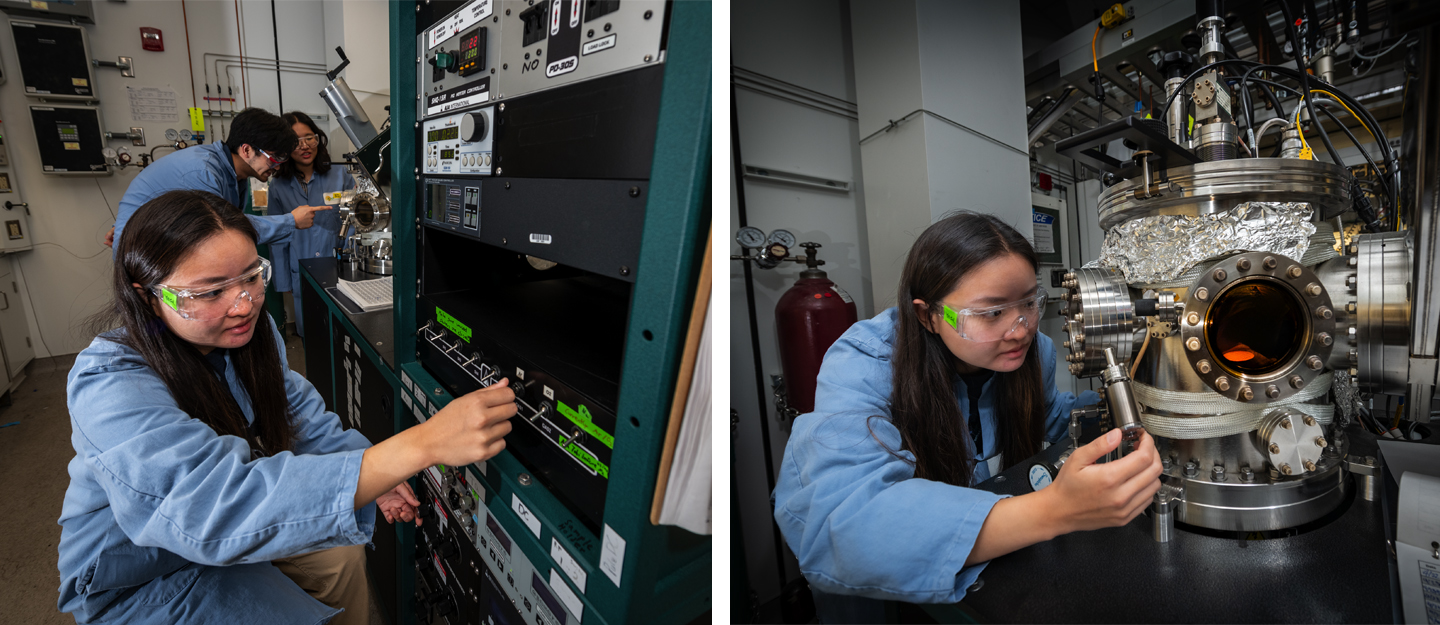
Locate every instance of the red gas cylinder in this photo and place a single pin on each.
(808, 319)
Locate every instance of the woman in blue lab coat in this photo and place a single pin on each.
(918, 404)
(303, 181)
(208, 476)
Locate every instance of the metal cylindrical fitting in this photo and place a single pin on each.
(1176, 122)
(1290, 144)
(1217, 141)
(1164, 519)
(1124, 410)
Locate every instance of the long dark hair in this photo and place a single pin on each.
(288, 169)
(157, 239)
(922, 402)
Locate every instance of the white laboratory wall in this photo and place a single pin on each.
(67, 275)
(362, 27)
(805, 43)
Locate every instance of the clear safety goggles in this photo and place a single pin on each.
(992, 323)
(216, 300)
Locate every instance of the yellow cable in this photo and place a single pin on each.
(1305, 151)
(1352, 114)
(1094, 59)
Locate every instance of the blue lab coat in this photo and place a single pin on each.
(317, 241)
(201, 168)
(854, 515)
(167, 522)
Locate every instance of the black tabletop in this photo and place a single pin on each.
(376, 327)
(1337, 572)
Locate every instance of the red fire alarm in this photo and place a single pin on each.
(1045, 183)
(150, 39)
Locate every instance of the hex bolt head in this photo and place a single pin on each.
(1165, 463)
(1314, 361)
(1285, 469)
(1203, 367)
(1350, 282)
(525, 479)
(1309, 466)
(1274, 448)
(1246, 394)
(1222, 383)
(1243, 264)
(1351, 331)
(1353, 262)
(1191, 469)
(1297, 382)
(1293, 272)
(1269, 262)
(1324, 312)
(1202, 293)
(1219, 275)
(1080, 316)
(1313, 289)
(1192, 344)
(1217, 474)
(1310, 421)
(1065, 296)
(1272, 391)
(1350, 307)
(1320, 441)
(1192, 318)
(1065, 344)
(1285, 423)
(1246, 474)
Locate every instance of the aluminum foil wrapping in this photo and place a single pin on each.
(1347, 398)
(1161, 248)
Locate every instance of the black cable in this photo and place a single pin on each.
(739, 165)
(107, 200)
(1171, 99)
(275, 31)
(1351, 135)
(1302, 58)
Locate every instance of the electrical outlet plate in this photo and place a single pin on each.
(140, 140)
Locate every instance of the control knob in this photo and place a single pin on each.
(520, 387)
(474, 126)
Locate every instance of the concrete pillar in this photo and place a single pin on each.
(961, 63)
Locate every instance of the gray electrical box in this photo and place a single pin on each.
(54, 60)
(80, 10)
(555, 42)
(70, 139)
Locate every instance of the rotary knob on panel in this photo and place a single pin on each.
(474, 127)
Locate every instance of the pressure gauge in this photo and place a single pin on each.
(750, 237)
(171, 135)
(109, 152)
(777, 251)
(783, 237)
(185, 134)
(122, 150)
(1041, 475)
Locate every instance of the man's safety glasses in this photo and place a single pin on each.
(992, 323)
(273, 160)
(211, 302)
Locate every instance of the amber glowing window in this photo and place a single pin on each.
(1255, 327)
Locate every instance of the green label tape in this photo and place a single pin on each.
(951, 317)
(461, 330)
(169, 297)
(581, 418)
(585, 457)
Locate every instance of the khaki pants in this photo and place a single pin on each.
(335, 577)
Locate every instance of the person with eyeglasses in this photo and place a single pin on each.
(258, 143)
(922, 402)
(301, 184)
(209, 483)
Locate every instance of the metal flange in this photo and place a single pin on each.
(1100, 313)
(1230, 285)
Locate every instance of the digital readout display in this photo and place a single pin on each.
(443, 134)
(470, 49)
(446, 155)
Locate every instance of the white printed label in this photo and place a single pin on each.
(1222, 99)
(555, 17)
(406, 398)
(549, 393)
(434, 473)
(612, 555)
(419, 414)
(433, 410)
(567, 596)
(435, 557)
(591, 47)
(484, 468)
(525, 515)
(567, 564)
(574, 17)
(410, 384)
(478, 10)
(477, 487)
(562, 66)
(845, 297)
(543, 239)
(519, 373)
